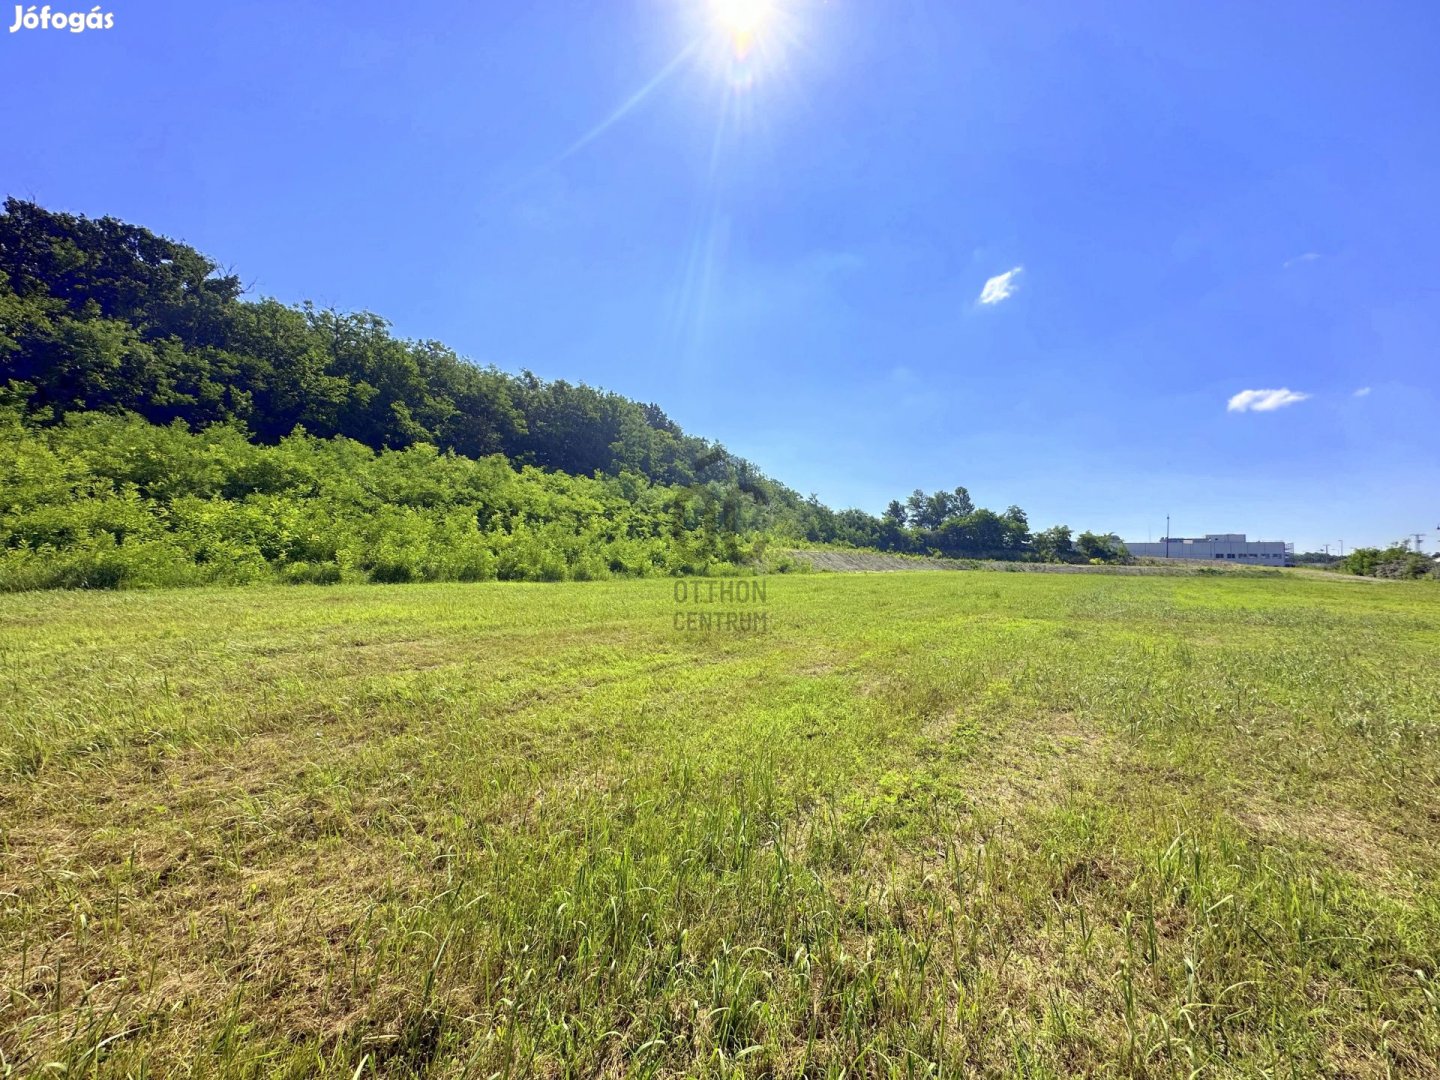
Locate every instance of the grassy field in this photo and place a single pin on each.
(925, 824)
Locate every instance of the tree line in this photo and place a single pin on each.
(948, 523)
(100, 315)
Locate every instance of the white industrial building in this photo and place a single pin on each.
(1231, 547)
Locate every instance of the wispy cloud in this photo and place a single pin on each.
(1309, 256)
(1361, 392)
(1000, 287)
(1264, 400)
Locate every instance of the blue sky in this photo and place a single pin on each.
(788, 250)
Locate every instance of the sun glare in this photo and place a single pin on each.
(741, 20)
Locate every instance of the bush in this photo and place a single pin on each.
(1101, 549)
(1393, 562)
(311, 573)
(100, 563)
(94, 503)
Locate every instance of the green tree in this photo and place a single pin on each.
(1099, 548)
(1053, 544)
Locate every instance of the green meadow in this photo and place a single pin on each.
(908, 825)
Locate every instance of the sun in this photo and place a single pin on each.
(741, 16)
(741, 20)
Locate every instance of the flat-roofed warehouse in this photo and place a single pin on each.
(1232, 547)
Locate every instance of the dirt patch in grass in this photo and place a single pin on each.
(217, 885)
(1341, 833)
(183, 941)
(1038, 760)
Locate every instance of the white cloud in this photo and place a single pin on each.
(1264, 400)
(1309, 256)
(1362, 391)
(1000, 287)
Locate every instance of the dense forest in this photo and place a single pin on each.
(156, 426)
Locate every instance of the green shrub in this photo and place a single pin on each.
(1393, 562)
(113, 502)
(310, 573)
(100, 562)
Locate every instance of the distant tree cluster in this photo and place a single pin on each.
(1315, 558)
(948, 523)
(1396, 561)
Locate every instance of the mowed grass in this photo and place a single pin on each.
(927, 824)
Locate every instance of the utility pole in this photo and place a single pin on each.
(1327, 551)
(1418, 538)
(1167, 536)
